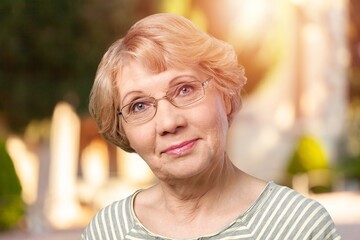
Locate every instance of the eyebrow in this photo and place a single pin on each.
(128, 95)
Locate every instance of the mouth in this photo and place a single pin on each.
(180, 149)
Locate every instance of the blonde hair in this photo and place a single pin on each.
(160, 42)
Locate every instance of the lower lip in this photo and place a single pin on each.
(181, 150)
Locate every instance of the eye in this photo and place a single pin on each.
(139, 106)
(184, 89)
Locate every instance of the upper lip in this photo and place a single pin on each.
(175, 146)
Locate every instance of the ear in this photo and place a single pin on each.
(227, 103)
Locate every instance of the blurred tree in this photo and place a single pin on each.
(351, 156)
(354, 46)
(50, 51)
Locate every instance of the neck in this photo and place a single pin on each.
(205, 190)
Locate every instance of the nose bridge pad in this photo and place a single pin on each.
(205, 84)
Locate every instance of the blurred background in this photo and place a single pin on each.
(300, 124)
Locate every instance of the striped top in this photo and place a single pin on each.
(278, 213)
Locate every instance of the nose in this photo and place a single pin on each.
(169, 118)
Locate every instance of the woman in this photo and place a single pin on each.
(168, 91)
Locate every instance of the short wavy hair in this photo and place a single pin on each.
(160, 42)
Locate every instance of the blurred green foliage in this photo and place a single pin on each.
(308, 155)
(310, 158)
(12, 207)
(50, 51)
(350, 167)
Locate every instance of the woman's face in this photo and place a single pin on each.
(177, 143)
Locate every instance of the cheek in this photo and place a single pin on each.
(220, 111)
(140, 139)
(214, 118)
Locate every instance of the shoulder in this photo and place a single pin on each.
(112, 222)
(294, 216)
(295, 201)
(290, 202)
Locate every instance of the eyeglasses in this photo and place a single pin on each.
(185, 93)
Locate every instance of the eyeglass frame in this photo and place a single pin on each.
(204, 85)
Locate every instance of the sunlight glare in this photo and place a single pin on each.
(285, 115)
(95, 163)
(250, 17)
